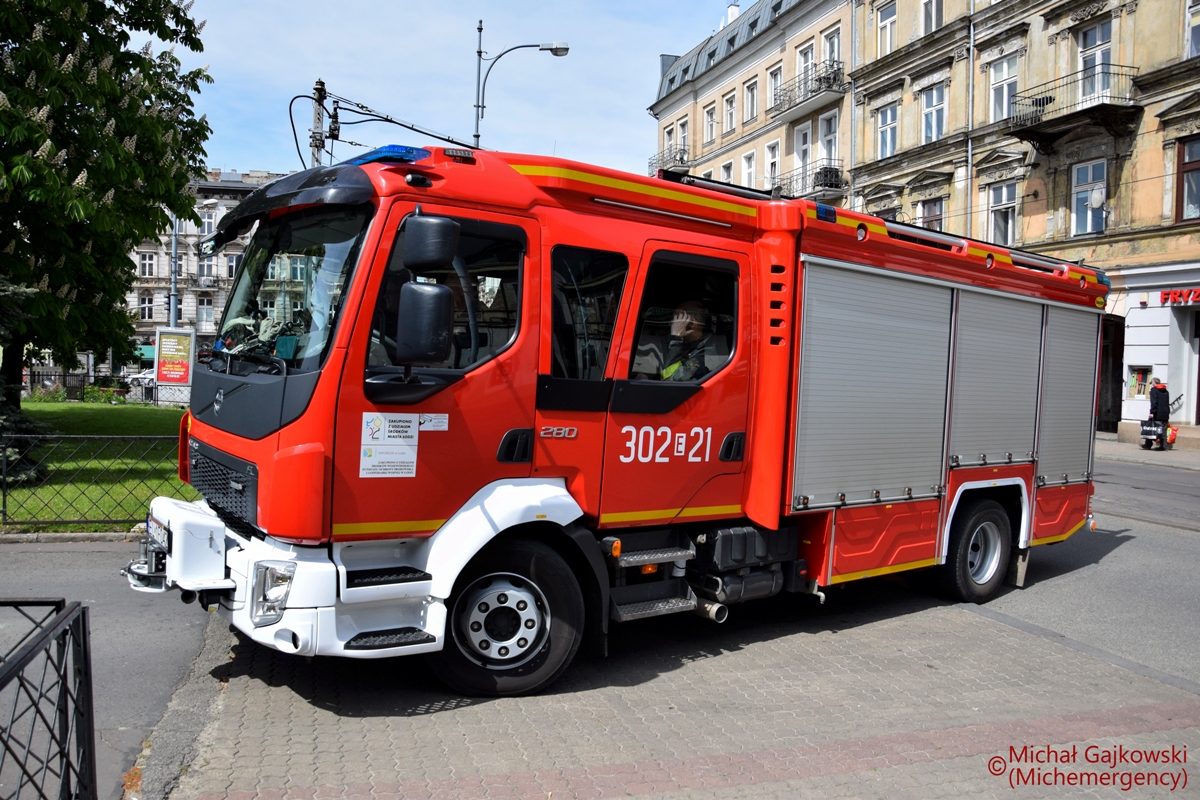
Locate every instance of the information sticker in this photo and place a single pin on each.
(435, 422)
(389, 446)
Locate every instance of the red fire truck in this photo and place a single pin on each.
(484, 405)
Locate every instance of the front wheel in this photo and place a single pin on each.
(515, 621)
(980, 544)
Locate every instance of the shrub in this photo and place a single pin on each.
(98, 394)
(51, 394)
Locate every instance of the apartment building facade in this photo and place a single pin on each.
(202, 283)
(1065, 127)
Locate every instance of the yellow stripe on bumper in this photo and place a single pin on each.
(1059, 538)
(875, 573)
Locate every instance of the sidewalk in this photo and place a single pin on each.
(1109, 449)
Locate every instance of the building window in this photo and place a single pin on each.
(146, 307)
(297, 265)
(887, 129)
(268, 308)
(180, 264)
(931, 214)
(1004, 86)
(146, 269)
(727, 172)
(712, 57)
(180, 225)
(230, 266)
(748, 170)
(931, 15)
(273, 269)
(668, 138)
(933, 113)
(682, 127)
(730, 113)
(707, 175)
(1189, 179)
(774, 82)
(205, 267)
(204, 308)
(1003, 218)
(828, 128)
(772, 163)
(1095, 54)
(833, 45)
(710, 124)
(1089, 195)
(1139, 382)
(887, 28)
(804, 63)
(1193, 28)
(206, 223)
(751, 101)
(732, 44)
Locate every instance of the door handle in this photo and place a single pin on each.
(516, 447)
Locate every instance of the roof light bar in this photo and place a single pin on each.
(391, 152)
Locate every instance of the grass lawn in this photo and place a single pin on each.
(80, 483)
(98, 419)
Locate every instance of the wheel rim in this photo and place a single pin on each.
(983, 552)
(502, 620)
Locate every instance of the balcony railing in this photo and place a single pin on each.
(1103, 84)
(814, 87)
(821, 178)
(673, 158)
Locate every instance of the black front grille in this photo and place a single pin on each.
(227, 483)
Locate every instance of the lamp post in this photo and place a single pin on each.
(554, 48)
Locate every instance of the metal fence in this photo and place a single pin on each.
(1099, 85)
(86, 479)
(73, 386)
(47, 728)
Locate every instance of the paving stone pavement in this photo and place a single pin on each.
(881, 692)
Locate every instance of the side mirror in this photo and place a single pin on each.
(429, 241)
(426, 322)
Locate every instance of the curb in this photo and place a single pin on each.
(50, 537)
(1148, 462)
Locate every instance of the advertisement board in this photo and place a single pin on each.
(175, 350)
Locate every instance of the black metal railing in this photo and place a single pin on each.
(66, 480)
(821, 176)
(1110, 84)
(826, 76)
(671, 158)
(57, 386)
(47, 727)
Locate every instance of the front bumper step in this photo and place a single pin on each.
(393, 637)
(651, 599)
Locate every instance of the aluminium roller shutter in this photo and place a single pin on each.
(874, 363)
(997, 355)
(1068, 395)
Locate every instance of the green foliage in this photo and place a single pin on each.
(97, 142)
(53, 394)
(100, 394)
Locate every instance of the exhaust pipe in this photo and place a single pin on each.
(717, 612)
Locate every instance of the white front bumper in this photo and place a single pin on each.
(202, 555)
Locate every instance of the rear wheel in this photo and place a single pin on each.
(515, 621)
(980, 544)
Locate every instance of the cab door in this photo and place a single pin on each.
(408, 456)
(675, 437)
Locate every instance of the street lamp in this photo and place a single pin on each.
(554, 48)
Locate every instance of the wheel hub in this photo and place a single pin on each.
(983, 552)
(502, 620)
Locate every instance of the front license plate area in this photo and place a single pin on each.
(158, 534)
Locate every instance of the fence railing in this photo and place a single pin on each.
(1102, 84)
(47, 727)
(48, 480)
(822, 175)
(73, 385)
(826, 76)
(672, 157)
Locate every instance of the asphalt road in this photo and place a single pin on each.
(1148, 493)
(142, 645)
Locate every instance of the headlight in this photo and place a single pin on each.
(268, 598)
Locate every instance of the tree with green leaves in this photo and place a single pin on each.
(98, 142)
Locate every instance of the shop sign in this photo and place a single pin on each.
(176, 351)
(1168, 296)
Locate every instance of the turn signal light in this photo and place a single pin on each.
(649, 569)
(612, 546)
(1093, 524)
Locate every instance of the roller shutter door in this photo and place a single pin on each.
(998, 346)
(1068, 395)
(873, 370)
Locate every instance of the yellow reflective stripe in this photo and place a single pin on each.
(402, 526)
(1003, 258)
(875, 573)
(1088, 278)
(710, 511)
(849, 222)
(638, 516)
(671, 370)
(1059, 538)
(534, 170)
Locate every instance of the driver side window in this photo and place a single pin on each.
(486, 280)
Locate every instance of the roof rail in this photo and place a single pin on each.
(716, 186)
(919, 235)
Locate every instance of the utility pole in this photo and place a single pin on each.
(478, 73)
(317, 135)
(173, 315)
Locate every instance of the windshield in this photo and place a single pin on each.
(289, 289)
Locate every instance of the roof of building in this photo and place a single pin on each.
(722, 44)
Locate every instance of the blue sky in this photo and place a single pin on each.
(416, 62)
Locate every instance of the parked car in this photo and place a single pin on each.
(143, 378)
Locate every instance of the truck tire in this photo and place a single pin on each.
(980, 543)
(514, 622)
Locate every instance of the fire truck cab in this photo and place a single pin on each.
(483, 405)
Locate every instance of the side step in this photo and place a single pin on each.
(392, 637)
(384, 576)
(651, 599)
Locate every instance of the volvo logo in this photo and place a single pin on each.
(217, 401)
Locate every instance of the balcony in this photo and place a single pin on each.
(821, 180)
(815, 88)
(1101, 96)
(673, 159)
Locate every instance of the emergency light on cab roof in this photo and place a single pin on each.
(391, 152)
